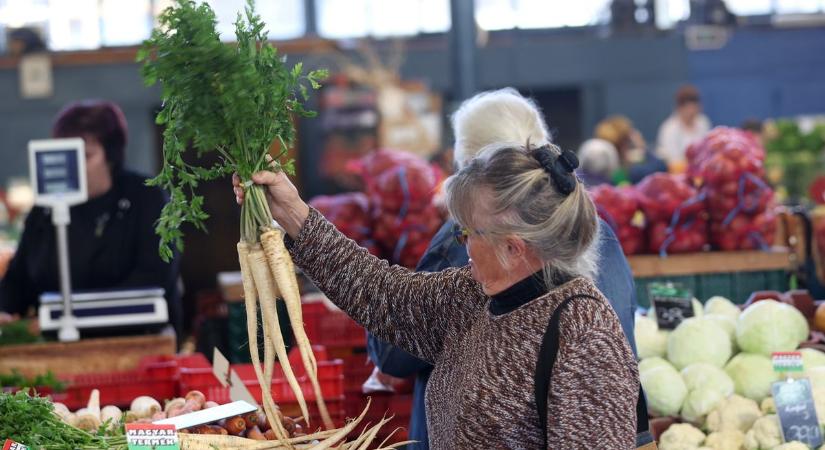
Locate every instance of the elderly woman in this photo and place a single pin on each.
(529, 227)
(502, 115)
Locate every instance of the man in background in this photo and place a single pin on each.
(685, 126)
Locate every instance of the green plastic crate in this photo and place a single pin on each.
(737, 286)
(238, 337)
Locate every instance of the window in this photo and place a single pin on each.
(90, 24)
(284, 19)
(508, 14)
(670, 12)
(760, 7)
(340, 19)
(125, 22)
(74, 25)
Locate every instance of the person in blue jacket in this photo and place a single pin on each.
(501, 116)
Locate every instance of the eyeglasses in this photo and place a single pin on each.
(461, 234)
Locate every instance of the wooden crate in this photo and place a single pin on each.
(85, 356)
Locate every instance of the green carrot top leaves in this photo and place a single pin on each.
(235, 100)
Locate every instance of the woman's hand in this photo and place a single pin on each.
(286, 205)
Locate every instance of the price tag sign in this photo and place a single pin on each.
(673, 304)
(787, 362)
(150, 436)
(11, 445)
(797, 415)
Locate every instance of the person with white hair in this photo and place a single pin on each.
(598, 159)
(500, 116)
(528, 353)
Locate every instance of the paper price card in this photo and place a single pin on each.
(11, 445)
(797, 415)
(149, 436)
(673, 304)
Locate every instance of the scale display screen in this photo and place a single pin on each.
(57, 172)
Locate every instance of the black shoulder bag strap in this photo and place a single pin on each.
(544, 368)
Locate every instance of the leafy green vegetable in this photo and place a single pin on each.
(31, 421)
(17, 332)
(16, 379)
(236, 100)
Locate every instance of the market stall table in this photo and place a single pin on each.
(84, 356)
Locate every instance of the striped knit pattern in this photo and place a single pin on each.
(481, 393)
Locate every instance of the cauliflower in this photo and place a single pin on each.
(726, 440)
(650, 340)
(734, 413)
(699, 402)
(681, 436)
(765, 434)
(704, 375)
(768, 406)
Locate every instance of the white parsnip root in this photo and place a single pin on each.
(268, 273)
(265, 380)
(282, 267)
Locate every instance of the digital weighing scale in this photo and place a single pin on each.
(57, 168)
(106, 309)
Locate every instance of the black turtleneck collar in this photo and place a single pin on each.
(518, 294)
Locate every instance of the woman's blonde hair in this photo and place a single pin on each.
(517, 197)
(502, 116)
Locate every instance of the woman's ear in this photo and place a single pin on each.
(516, 247)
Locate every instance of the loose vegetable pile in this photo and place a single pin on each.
(725, 402)
(395, 218)
(35, 422)
(236, 100)
(724, 202)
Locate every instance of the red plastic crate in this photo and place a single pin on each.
(331, 327)
(383, 405)
(357, 368)
(397, 406)
(330, 378)
(155, 377)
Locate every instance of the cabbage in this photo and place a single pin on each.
(726, 323)
(665, 390)
(700, 402)
(707, 376)
(768, 326)
(698, 340)
(650, 341)
(651, 363)
(722, 306)
(812, 358)
(817, 376)
(752, 375)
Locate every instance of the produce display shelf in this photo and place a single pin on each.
(645, 266)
